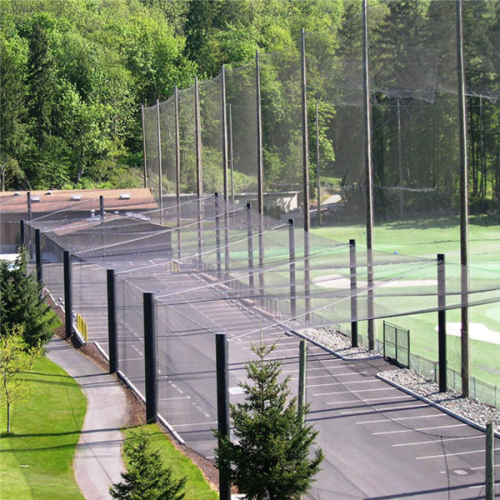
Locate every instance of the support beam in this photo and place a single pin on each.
(354, 292)
(68, 296)
(464, 203)
(443, 359)
(150, 357)
(112, 331)
(222, 365)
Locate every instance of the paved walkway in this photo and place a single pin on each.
(98, 461)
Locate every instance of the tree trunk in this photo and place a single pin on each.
(8, 417)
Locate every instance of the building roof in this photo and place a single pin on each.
(54, 200)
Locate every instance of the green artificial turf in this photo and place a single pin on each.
(37, 456)
(197, 488)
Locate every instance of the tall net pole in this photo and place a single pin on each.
(199, 171)
(177, 149)
(369, 178)
(260, 173)
(144, 148)
(224, 132)
(464, 203)
(305, 172)
(318, 173)
(158, 128)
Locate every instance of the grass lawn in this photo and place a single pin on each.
(37, 457)
(197, 487)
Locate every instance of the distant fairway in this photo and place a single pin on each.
(427, 238)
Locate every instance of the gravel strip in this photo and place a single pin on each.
(452, 400)
(338, 342)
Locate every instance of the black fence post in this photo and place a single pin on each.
(222, 364)
(354, 293)
(28, 201)
(293, 286)
(101, 207)
(150, 357)
(38, 256)
(112, 339)
(68, 298)
(442, 322)
(251, 277)
(22, 222)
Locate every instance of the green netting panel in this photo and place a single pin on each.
(242, 130)
(152, 160)
(212, 135)
(187, 126)
(168, 140)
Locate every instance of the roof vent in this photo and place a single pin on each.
(16, 193)
(76, 197)
(125, 196)
(35, 199)
(49, 192)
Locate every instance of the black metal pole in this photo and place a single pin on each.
(38, 256)
(251, 277)
(222, 364)
(150, 357)
(464, 204)
(160, 184)
(318, 173)
(23, 236)
(293, 286)
(217, 238)
(354, 295)
(443, 383)
(112, 337)
(197, 116)
(368, 178)
(68, 297)
(28, 201)
(305, 132)
(224, 131)
(101, 207)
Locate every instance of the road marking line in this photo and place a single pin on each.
(453, 454)
(343, 383)
(366, 400)
(436, 441)
(399, 418)
(352, 392)
(190, 425)
(330, 375)
(172, 399)
(387, 409)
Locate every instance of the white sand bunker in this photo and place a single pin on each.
(343, 283)
(477, 331)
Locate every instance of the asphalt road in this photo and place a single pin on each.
(379, 443)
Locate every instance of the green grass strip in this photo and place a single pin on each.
(37, 457)
(197, 488)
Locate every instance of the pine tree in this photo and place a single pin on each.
(20, 303)
(146, 477)
(270, 457)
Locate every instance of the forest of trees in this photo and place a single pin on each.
(75, 73)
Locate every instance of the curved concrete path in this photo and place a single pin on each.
(98, 461)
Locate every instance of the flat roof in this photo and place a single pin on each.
(140, 199)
